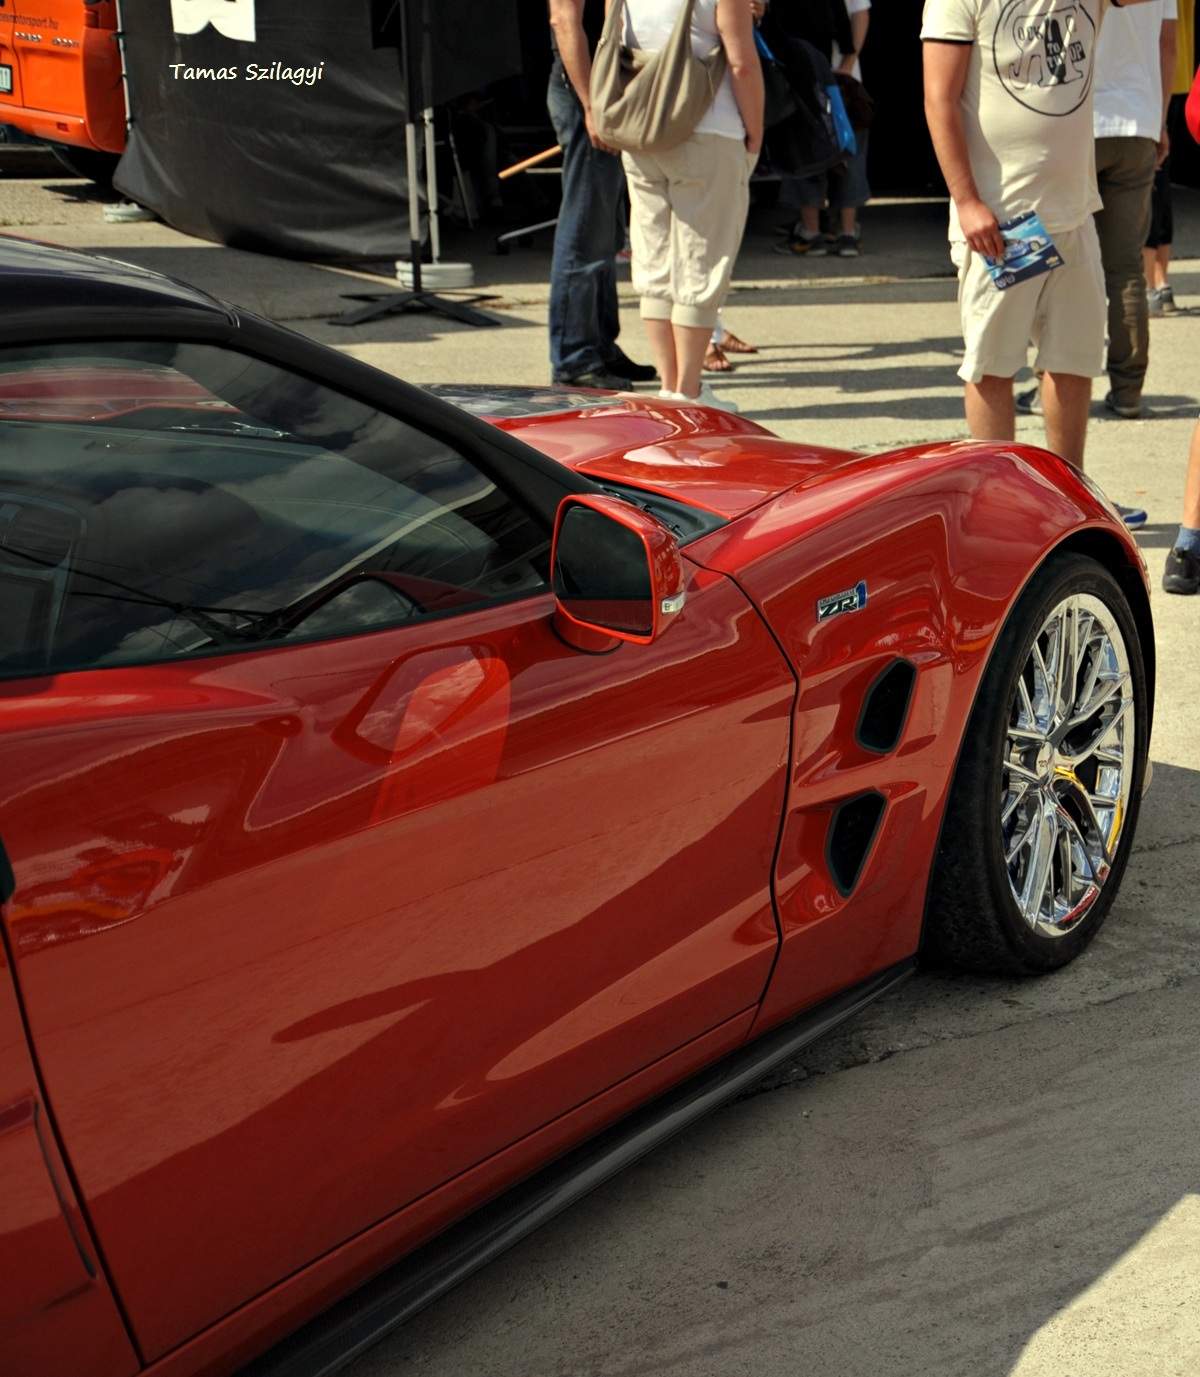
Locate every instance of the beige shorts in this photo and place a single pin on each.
(1063, 312)
(687, 215)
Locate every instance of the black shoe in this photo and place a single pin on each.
(599, 378)
(624, 367)
(1128, 411)
(1182, 574)
(1029, 402)
(802, 241)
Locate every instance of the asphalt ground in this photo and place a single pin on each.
(976, 1176)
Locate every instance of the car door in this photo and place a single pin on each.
(337, 871)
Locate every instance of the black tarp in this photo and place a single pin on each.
(308, 159)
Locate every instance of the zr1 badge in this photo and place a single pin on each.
(849, 601)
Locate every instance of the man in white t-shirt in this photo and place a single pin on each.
(1135, 70)
(1008, 98)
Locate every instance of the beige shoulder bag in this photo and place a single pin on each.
(649, 102)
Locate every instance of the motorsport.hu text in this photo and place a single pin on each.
(255, 71)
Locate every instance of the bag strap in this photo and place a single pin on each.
(612, 22)
(682, 32)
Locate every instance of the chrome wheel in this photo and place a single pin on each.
(1068, 765)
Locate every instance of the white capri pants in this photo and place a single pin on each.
(687, 216)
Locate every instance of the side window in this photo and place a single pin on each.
(167, 500)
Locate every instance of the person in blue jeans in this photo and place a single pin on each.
(584, 322)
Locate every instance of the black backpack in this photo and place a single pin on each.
(805, 144)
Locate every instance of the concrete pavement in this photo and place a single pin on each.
(977, 1176)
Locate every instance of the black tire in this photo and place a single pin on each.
(974, 920)
(87, 162)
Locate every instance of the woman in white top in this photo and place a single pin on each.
(688, 205)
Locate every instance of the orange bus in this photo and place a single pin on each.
(61, 79)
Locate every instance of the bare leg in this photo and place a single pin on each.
(810, 218)
(661, 335)
(691, 344)
(1066, 398)
(990, 411)
(849, 215)
(1162, 260)
(1155, 263)
(1191, 491)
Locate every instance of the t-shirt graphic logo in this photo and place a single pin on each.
(1044, 52)
(233, 18)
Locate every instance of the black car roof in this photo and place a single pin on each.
(46, 291)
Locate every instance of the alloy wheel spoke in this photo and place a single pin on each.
(1022, 772)
(1026, 836)
(1014, 803)
(1084, 694)
(1066, 868)
(1027, 734)
(1040, 865)
(1092, 705)
(1029, 726)
(1068, 660)
(1087, 805)
(1048, 683)
(1092, 748)
(1070, 830)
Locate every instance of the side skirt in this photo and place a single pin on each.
(346, 1329)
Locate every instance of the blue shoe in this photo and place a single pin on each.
(1133, 517)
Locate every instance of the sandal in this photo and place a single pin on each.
(715, 360)
(732, 345)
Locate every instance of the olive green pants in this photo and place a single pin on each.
(1125, 174)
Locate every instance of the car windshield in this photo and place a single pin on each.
(159, 500)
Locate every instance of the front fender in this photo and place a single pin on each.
(944, 537)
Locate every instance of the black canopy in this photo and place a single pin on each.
(293, 142)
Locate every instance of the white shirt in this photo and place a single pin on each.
(854, 7)
(1129, 73)
(648, 25)
(1027, 103)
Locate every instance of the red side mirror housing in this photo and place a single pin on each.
(617, 571)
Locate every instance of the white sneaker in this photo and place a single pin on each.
(126, 212)
(708, 397)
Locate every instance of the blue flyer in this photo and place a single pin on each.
(1028, 252)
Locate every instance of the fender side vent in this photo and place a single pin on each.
(885, 708)
(8, 882)
(851, 833)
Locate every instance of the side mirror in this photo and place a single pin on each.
(617, 572)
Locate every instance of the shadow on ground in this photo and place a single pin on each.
(927, 1212)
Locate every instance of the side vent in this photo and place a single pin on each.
(850, 836)
(8, 882)
(885, 708)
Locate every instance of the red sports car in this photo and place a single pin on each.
(416, 806)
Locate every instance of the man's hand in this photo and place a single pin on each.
(1164, 148)
(597, 141)
(757, 9)
(846, 66)
(980, 228)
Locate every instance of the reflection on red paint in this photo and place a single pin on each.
(106, 888)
